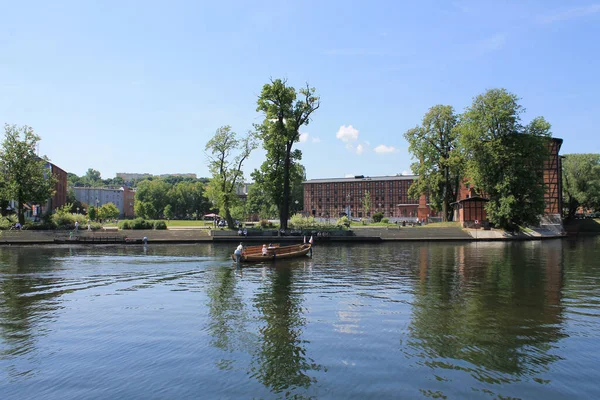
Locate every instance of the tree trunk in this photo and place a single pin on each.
(285, 206)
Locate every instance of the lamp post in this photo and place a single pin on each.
(296, 210)
(348, 205)
(77, 210)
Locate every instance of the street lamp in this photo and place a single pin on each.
(296, 205)
(97, 202)
(77, 210)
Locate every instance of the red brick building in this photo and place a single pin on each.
(59, 198)
(332, 198)
(470, 206)
(128, 202)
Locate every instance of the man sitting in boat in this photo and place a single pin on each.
(265, 251)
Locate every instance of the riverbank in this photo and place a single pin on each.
(179, 235)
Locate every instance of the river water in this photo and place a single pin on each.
(394, 320)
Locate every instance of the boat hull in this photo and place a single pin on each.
(278, 253)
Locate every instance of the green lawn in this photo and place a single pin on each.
(189, 223)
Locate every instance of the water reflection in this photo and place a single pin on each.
(282, 362)
(492, 310)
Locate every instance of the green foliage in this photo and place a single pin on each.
(297, 221)
(377, 217)
(140, 223)
(7, 222)
(168, 212)
(280, 130)
(92, 213)
(139, 208)
(160, 225)
(434, 145)
(366, 202)
(226, 169)
(25, 177)
(344, 221)
(154, 195)
(108, 211)
(124, 224)
(505, 159)
(581, 182)
(385, 220)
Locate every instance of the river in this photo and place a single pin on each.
(385, 321)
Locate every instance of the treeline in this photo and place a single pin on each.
(488, 148)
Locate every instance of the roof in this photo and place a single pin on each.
(361, 178)
(470, 199)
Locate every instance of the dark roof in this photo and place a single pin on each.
(364, 179)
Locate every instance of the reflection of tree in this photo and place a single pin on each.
(281, 363)
(22, 304)
(495, 308)
(228, 314)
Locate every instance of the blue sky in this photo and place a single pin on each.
(141, 86)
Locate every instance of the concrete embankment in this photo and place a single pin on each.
(202, 235)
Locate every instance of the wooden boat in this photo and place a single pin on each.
(275, 252)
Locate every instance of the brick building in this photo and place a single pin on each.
(332, 198)
(470, 206)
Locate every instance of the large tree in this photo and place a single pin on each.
(26, 177)
(434, 145)
(226, 155)
(505, 159)
(280, 130)
(152, 197)
(581, 182)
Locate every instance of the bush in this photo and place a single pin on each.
(265, 223)
(159, 225)
(377, 217)
(32, 226)
(299, 222)
(385, 220)
(344, 221)
(126, 224)
(140, 223)
(7, 222)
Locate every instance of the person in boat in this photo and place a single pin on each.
(238, 252)
(265, 251)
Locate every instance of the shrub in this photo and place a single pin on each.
(43, 226)
(385, 220)
(377, 217)
(7, 222)
(126, 224)
(264, 223)
(344, 221)
(140, 223)
(299, 222)
(159, 225)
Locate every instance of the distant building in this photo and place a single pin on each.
(242, 189)
(332, 198)
(131, 176)
(96, 197)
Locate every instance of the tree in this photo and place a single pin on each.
(26, 177)
(505, 159)
(187, 199)
(226, 168)
(284, 116)
(581, 182)
(434, 144)
(108, 211)
(155, 194)
(140, 209)
(92, 213)
(168, 212)
(366, 203)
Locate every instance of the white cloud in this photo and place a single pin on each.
(349, 176)
(383, 149)
(405, 172)
(367, 143)
(572, 13)
(303, 137)
(359, 149)
(347, 133)
(316, 140)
